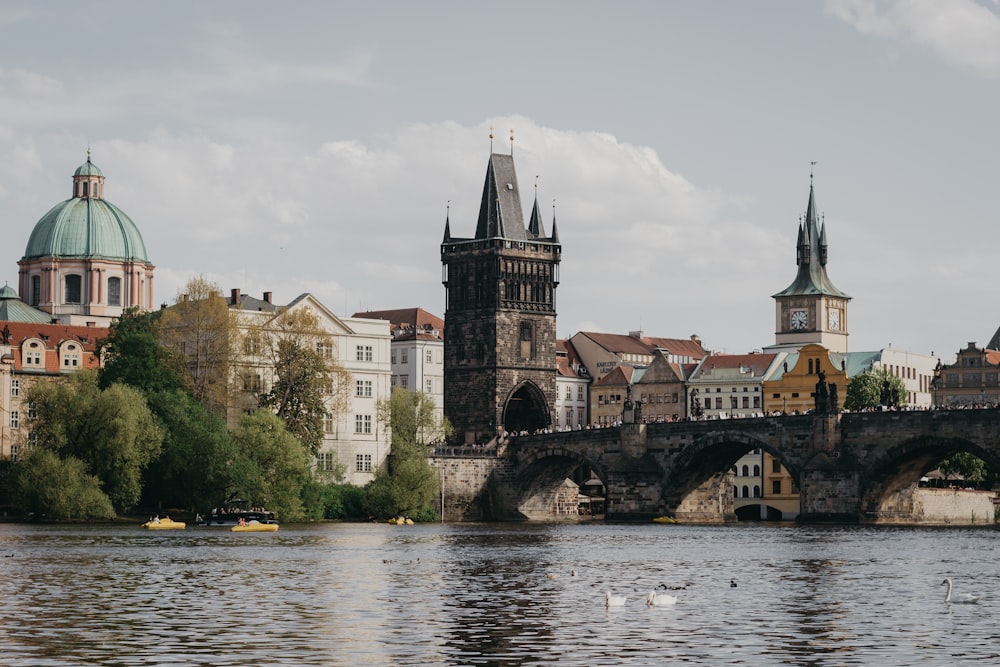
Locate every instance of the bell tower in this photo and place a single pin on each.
(500, 315)
(811, 309)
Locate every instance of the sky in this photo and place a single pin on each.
(319, 146)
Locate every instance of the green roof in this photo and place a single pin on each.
(84, 227)
(12, 309)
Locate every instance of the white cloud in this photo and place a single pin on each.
(962, 32)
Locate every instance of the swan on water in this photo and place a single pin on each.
(614, 600)
(653, 600)
(962, 598)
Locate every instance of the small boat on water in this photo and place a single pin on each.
(664, 519)
(255, 527)
(166, 523)
(401, 521)
(237, 512)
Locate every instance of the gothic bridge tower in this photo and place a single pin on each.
(500, 315)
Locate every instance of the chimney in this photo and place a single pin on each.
(234, 299)
(267, 297)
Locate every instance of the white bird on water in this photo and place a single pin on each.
(963, 598)
(653, 600)
(614, 600)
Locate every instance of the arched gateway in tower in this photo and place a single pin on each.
(500, 315)
(85, 262)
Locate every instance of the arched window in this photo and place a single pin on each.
(746, 471)
(36, 290)
(756, 491)
(756, 471)
(736, 492)
(746, 491)
(74, 291)
(810, 367)
(114, 291)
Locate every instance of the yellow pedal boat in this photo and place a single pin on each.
(164, 524)
(255, 527)
(401, 521)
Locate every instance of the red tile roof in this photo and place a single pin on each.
(409, 323)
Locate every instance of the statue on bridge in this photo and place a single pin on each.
(826, 397)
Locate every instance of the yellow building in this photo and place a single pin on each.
(792, 388)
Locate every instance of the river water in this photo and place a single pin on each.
(496, 594)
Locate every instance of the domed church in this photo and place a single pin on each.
(86, 262)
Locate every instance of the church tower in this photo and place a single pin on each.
(811, 309)
(500, 315)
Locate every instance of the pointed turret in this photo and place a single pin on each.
(447, 226)
(536, 229)
(811, 257)
(500, 214)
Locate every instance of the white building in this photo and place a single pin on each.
(353, 438)
(572, 394)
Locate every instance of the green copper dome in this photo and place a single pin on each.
(86, 226)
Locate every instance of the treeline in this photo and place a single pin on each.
(148, 431)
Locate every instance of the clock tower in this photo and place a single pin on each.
(811, 309)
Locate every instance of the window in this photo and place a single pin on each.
(31, 410)
(579, 393)
(392, 358)
(15, 419)
(429, 356)
(718, 402)
(74, 290)
(36, 290)
(756, 470)
(363, 462)
(428, 386)
(363, 388)
(569, 393)
(775, 465)
(364, 353)
(404, 357)
(15, 387)
(328, 423)
(776, 487)
(15, 452)
(746, 471)
(326, 461)
(251, 382)
(33, 357)
(114, 291)
(363, 424)
(579, 416)
(324, 349)
(569, 416)
(71, 357)
(404, 381)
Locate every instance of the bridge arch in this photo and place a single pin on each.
(700, 472)
(897, 469)
(540, 490)
(526, 409)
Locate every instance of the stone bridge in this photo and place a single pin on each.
(856, 467)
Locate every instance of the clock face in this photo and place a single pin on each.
(800, 319)
(833, 317)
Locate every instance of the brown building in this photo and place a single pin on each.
(973, 380)
(500, 315)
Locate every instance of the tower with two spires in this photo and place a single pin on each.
(811, 309)
(500, 314)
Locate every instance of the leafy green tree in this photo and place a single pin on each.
(112, 431)
(61, 489)
(309, 382)
(278, 465)
(134, 356)
(199, 465)
(969, 466)
(866, 390)
(408, 485)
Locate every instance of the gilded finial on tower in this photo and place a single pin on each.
(812, 166)
(491, 138)
(536, 185)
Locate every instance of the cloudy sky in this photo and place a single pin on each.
(315, 147)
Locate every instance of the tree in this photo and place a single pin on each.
(408, 485)
(278, 465)
(201, 327)
(969, 466)
(866, 390)
(134, 356)
(59, 488)
(309, 383)
(112, 431)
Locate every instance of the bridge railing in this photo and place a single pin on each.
(466, 451)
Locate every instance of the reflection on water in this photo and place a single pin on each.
(374, 594)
